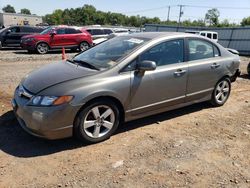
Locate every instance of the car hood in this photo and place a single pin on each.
(53, 74)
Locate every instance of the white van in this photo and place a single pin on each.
(209, 34)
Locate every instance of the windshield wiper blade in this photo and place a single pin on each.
(80, 62)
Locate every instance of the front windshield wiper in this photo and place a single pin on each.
(80, 62)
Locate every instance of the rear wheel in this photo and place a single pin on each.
(221, 92)
(83, 46)
(97, 121)
(1, 46)
(248, 69)
(42, 48)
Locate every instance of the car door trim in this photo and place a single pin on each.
(199, 92)
(155, 104)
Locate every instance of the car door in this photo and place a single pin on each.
(205, 68)
(12, 36)
(97, 33)
(165, 86)
(59, 39)
(72, 36)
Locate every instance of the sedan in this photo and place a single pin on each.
(125, 78)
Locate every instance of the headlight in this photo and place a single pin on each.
(50, 100)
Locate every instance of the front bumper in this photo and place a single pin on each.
(54, 122)
(28, 45)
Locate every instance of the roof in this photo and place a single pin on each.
(153, 35)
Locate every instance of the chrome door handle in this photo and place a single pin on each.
(215, 65)
(180, 72)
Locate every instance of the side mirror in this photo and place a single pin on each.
(8, 32)
(146, 66)
(53, 33)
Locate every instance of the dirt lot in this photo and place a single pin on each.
(196, 146)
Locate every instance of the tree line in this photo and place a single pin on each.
(88, 15)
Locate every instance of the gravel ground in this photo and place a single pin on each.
(196, 146)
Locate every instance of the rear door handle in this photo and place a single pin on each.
(215, 65)
(180, 72)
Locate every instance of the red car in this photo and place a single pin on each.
(57, 37)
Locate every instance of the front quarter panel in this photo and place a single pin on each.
(87, 88)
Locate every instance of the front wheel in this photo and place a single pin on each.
(42, 48)
(83, 46)
(221, 92)
(97, 121)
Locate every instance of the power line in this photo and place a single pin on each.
(151, 9)
(236, 8)
(193, 6)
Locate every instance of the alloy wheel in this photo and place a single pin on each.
(84, 46)
(99, 121)
(222, 92)
(42, 48)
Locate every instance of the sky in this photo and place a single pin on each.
(232, 10)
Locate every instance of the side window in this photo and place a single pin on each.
(107, 31)
(215, 36)
(209, 35)
(27, 29)
(166, 53)
(203, 34)
(130, 67)
(90, 31)
(200, 49)
(60, 31)
(15, 30)
(216, 52)
(97, 32)
(72, 31)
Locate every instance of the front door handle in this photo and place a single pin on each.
(215, 65)
(180, 72)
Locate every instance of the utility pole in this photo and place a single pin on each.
(168, 13)
(180, 14)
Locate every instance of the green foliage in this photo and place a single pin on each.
(212, 16)
(245, 21)
(88, 15)
(9, 9)
(25, 11)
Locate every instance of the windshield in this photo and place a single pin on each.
(47, 31)
(107, 54)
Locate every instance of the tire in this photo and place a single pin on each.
(248, 69)
(74, 49)
(1, 46)
(42, 48)
(30, 51)
(83, 46)
(90, 127)
(221, 92)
